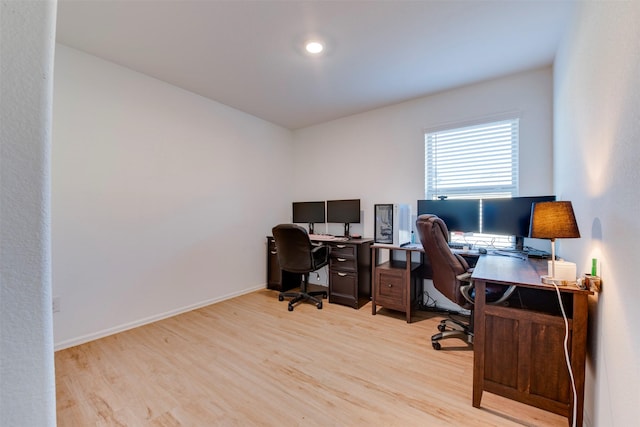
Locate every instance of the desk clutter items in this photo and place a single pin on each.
(565, 272)
(590, 282)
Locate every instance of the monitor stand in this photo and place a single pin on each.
(346, 230)
(311, 228)
(519, 243)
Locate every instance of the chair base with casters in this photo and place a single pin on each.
(304, 295)
(452, 328)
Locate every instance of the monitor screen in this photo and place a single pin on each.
(343, 211)
(509, 216)
(308, 212)
(459, 214)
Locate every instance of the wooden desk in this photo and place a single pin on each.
(396, 284)
(349, 271)
(518, 351)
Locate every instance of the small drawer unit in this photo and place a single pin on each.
(391, 288)
(396, 283)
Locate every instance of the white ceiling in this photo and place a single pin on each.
(247, 54)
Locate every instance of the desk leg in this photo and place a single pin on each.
(374, 263)
(408, 284)
(478, 342)
(578, 352)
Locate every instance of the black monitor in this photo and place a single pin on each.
(509, 216)
(459, 214)
(309, 213)
(344, 211)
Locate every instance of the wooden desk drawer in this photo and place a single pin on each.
(390, 289)
(343, 250)
(343, 264)
(342, 287)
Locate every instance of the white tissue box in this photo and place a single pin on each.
(564, 270)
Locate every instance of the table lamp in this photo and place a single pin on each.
(552, 220)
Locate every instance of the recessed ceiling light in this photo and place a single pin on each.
(314, 47)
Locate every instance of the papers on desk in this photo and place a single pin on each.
(413, 246)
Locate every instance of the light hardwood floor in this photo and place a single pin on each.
(249, 362)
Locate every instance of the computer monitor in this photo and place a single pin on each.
(309, 213)
(510, 216)
(344, 211)
(459, 214)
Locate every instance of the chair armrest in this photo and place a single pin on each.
(505, 295)
(467, 292)
(464, 277)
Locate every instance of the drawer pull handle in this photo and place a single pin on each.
(342, 274)
(274, 252)
(342, 259)
(390, 285)
(341, 246)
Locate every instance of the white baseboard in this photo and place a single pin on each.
(126, 326)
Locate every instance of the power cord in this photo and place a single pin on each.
(566, 354)
(432, 306)
(431, 302)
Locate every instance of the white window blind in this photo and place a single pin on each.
(473, 161)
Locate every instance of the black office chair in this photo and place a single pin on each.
(296, 254)
(452, 277)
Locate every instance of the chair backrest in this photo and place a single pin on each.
(294, 248)
(445, 265)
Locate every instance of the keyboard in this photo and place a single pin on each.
(535, 253)
(325, 237)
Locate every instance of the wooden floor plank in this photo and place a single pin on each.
(248, 361)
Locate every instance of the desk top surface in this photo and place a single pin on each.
(519, 271)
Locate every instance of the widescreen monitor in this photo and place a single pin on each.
(308, 213)
(344, 212)
(509, 216)
(459, 214)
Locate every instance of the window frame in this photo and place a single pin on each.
(454, 137)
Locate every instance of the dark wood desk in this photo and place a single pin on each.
(349, 271)
(519, 349)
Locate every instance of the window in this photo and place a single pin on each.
(472, 161)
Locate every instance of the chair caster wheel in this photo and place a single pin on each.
(280, 298)
(290, 307)
(441, 327)
(319, 305)
(436, 345)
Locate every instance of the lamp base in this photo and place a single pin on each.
(548, 280)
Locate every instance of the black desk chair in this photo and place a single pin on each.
(452, 277)
(297, 254)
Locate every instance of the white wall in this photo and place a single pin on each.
(161, 199)
(597, 158)
(27, 385)
(378, 156)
